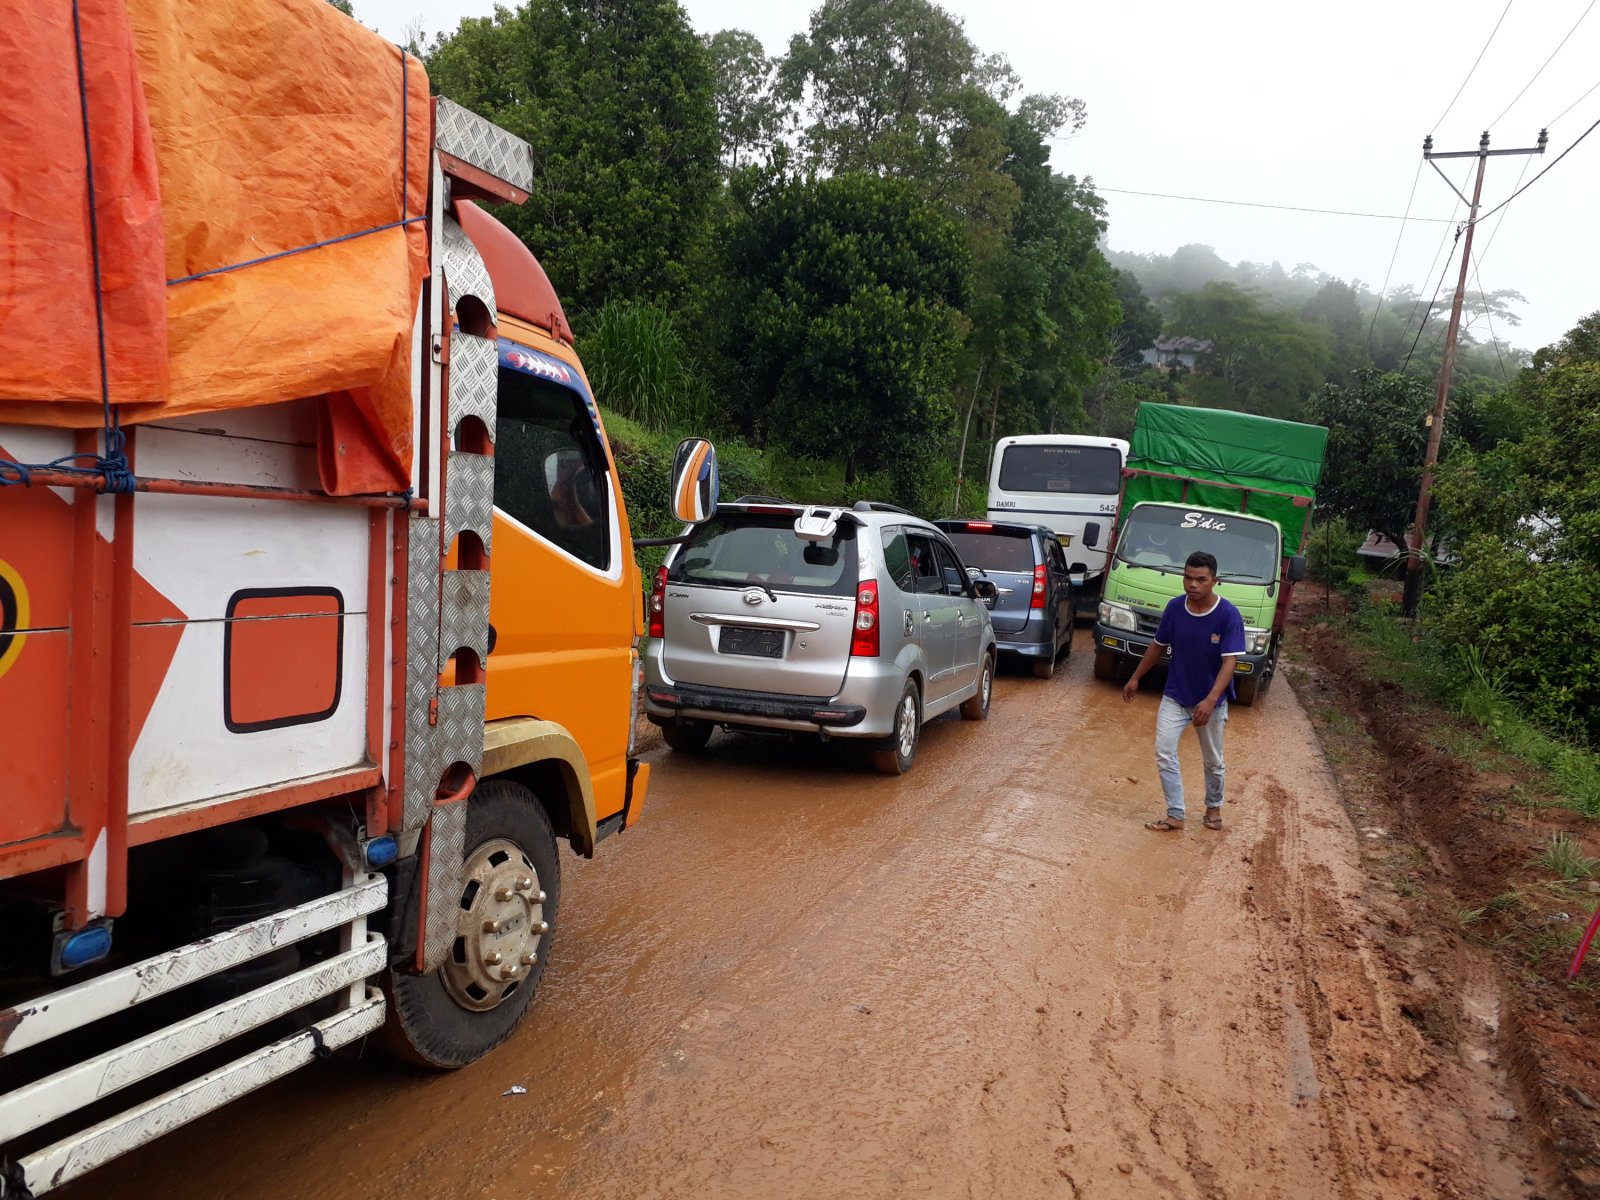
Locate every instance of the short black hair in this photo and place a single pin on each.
(1201, 558)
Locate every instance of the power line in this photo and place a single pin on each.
(1443, 242)
(1429, 310)
(1334, 212)
(1378, 307)
(1541, 174)
(1474, 66)
(1547, 62)
(1573, 105)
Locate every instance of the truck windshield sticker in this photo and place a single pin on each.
(1201, 521)
(516, 357)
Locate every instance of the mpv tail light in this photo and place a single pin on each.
(1039, 584)
(658, 604)
(865, 642)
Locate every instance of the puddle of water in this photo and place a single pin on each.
(1300, 1072)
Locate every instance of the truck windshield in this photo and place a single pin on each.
(1083, 470)
(1162, 537)
(756, 550)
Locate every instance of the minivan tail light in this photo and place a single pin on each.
(1037, 600)
(865, 642)
(658, 604)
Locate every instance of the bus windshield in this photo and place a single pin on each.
(1161, 537)
(1081, 470)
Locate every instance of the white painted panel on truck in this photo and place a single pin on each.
(1064, 481)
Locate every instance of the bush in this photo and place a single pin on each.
(640, 366)
(1331, 553)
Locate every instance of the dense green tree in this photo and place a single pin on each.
(1337, 308)
(1140, 325)
(617, 99)
(1377, 439)
(344, 7)
(842, 312)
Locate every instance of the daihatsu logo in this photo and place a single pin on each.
(754, 596)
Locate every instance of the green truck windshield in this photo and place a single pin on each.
(1161, 537)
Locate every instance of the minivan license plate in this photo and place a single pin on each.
(760, 643)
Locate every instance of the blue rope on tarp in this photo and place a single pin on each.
(112, 463)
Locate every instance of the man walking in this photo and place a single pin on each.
(1206, 635)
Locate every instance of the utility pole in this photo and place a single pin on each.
(1419, 525)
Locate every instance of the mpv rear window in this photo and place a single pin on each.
(994, 551)
(742, 551)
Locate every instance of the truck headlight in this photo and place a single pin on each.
(1118, 616)
(1257, 641)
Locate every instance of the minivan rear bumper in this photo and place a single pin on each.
(724, 704)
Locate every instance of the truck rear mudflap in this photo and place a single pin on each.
(39, 1110)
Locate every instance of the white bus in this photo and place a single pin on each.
(1069, 482)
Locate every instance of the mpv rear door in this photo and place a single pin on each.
(1006, 557)
(750, 605)
(937, 622)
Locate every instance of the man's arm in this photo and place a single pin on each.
(1152, 655)
(1203, 710)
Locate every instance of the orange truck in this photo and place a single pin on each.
(318, 606)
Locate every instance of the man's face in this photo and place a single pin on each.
(1198, 584)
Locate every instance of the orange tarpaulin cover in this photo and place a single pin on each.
(221, 133)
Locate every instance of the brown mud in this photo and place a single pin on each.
(986, 979)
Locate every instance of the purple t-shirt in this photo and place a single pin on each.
(1198, 643)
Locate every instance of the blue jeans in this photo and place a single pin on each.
(1172, 719)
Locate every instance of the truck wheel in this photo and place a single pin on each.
(687, 737)
(508, 893)
(977, 707)
(1246, 690)
(1044, 668)
(1108, 666)
(899, 750)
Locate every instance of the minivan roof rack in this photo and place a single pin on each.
(880, 506)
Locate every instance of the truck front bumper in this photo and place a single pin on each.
(1134, 645)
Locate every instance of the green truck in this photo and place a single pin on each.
(1235, 484)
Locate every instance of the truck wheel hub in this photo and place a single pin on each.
(500, 927)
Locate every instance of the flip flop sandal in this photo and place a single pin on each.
(1213, 819)
(1164, 825)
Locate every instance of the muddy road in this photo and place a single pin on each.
(799, 979)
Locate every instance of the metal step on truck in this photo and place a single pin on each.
(318, 605)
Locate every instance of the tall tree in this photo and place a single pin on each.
(750, 113)
(617, 98)
(843, 312)
(1261, 360)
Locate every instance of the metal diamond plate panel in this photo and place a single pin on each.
(483, 144)
(469, 496)
(72, 1156)
(464, 615)
(474, 381)
(464, 272)
(447, 850)
(422, 669)
(459, 732)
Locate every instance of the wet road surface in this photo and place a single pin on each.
(800, 979)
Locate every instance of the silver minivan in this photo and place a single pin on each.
(851, 623)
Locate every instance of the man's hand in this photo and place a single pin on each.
(1203, 711)
(1130, 689)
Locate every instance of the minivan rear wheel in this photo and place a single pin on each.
(899, 750)
(688, 737)
(1044, 668)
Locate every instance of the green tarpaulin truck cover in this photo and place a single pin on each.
(1259, 453)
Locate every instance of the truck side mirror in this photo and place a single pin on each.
(1091, 534)
(1297, 568)
(696, 485)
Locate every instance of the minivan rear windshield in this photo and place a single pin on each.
(1091, 470)
(995, 551)
(750, 550)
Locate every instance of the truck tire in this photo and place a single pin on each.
(458, 1013)
(898, 751)
(976, 707)
(1246, 690)
(686, 737)
(1108, 666)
